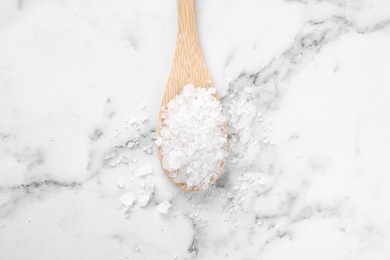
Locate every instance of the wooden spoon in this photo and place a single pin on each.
(188, 67)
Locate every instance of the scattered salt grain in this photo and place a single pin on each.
(143, 199)
(163, 207)
(113, 164)
(141, 182)
(120, 184)
(125, 208)
(193, 137)
(260, 182)
(127, 199)
(276, 227)
(149, 182)
(143, 119)
(132, 121)
(144, 170)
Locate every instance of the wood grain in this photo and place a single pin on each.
(188, 67)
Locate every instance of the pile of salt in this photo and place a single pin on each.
(193, 137)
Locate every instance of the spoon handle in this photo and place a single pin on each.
(186, 28)
(188, 66)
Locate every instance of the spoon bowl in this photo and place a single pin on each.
(188, 67)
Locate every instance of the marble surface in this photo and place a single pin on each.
(306, 88)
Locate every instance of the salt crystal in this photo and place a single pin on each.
(149, 182)
(127, 199)
(120, 184)
(113, 164)
(175, 164)
(159, 141)
(212, 90)
(260, 182)
(143, 199)
(163, 207)
(141, 182)
(143, 119)
(188, 90)
(144, 170)
(276, 227)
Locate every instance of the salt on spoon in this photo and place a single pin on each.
(189, 67)
(193, 137)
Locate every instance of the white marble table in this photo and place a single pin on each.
(305, 85)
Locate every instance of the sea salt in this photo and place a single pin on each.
(163, 207)
(141, 182)
(120, 184)
(159, 141)
(127, 199)
(143, 199)
(144, 170)
(149, 182)
(194, 138)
